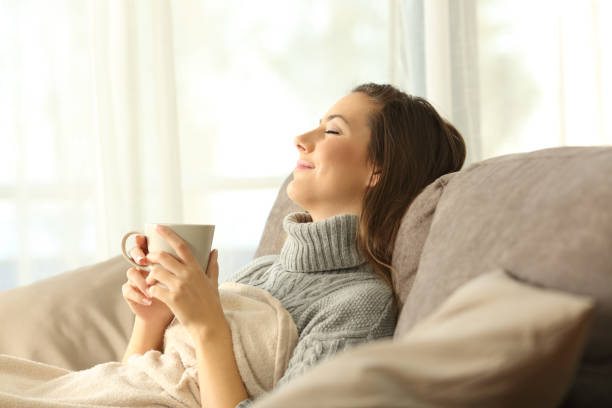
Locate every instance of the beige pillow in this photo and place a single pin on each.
(495, 342)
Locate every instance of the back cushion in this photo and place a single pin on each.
(412, 234)
(545, 216)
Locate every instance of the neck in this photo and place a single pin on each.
(321, 214)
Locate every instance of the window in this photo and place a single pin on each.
(248, 80)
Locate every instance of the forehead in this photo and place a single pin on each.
(355, 107)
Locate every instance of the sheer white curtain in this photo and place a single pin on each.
(116, 113)
(137, 147)
(512, 75)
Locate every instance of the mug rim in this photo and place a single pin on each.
(180, 225)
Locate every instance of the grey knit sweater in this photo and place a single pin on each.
(336, 299)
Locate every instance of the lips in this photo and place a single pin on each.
(303, 164)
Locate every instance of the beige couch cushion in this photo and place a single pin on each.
(495, 342)
(412, 235)
(73, 320)
(544, 215)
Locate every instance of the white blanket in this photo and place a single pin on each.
(263, 336)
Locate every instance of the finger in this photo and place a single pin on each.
(137, 297)
(138, 255)
(162, 294)
(133, 294)
(141, 241)
(177, 243)
(159, 274)
(167, 260)
(212, 270)
(136, 279)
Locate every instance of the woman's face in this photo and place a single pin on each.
(337, 150)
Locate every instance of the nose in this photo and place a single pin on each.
(306, 141)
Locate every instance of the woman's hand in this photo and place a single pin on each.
(192, 294)
(151, 311)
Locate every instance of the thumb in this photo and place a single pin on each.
(213, 266)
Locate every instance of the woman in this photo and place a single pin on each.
(358, 171)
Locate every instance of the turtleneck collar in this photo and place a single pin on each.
(327, 244)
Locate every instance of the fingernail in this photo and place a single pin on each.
(138, 259)
(147, 301)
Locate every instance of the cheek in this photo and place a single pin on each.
(341, 156)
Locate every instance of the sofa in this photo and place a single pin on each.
(541, 219)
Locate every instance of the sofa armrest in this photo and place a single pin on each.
(73, 320)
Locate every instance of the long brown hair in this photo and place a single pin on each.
(411, 146)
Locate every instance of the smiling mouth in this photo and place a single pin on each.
(302, 167)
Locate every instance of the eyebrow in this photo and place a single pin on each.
(330, 117)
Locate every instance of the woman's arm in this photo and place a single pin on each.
(145, 337)
(220, 381)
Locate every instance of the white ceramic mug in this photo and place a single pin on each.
(198, 237)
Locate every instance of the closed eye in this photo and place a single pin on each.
(332, 131)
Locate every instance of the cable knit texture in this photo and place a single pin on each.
(335, 297)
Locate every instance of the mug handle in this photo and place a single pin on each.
(125, 255)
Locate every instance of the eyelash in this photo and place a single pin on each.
(332, 131)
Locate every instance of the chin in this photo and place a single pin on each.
(289, 190)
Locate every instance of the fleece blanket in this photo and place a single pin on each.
(263, 336)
